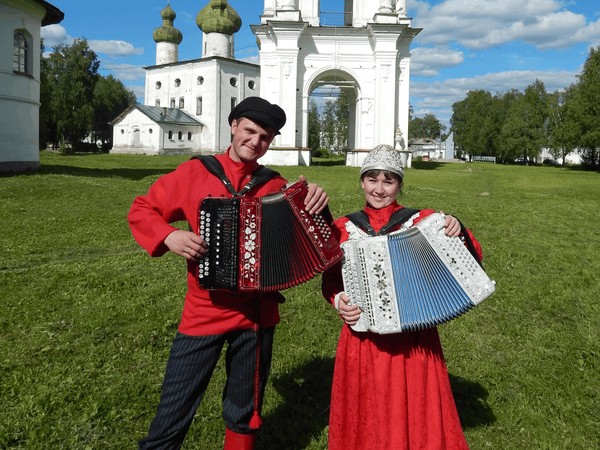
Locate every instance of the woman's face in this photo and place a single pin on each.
(379, 190)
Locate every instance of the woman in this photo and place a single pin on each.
(390, 391)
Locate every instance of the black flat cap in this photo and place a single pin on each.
(259, 110)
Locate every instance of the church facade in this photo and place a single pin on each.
(187, 102)
(367, 55)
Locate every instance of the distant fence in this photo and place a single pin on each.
(491, 159)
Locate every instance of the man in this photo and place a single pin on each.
(210, 319)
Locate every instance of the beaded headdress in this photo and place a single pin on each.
(383, 157)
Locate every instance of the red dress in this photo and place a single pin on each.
(389, 391)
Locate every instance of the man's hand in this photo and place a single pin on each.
(186, 244)
(316, 199)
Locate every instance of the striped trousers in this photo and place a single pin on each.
(191, 363)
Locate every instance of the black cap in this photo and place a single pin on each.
(260, 111)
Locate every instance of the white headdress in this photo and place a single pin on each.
(383, 157)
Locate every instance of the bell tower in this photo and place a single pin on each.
(366, 53)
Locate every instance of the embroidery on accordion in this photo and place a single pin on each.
(412, 279)
(264, 243)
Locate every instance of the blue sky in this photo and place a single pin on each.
(495, 45)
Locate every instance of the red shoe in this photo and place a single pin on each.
(238, 441)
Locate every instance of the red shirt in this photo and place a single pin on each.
(176, 196)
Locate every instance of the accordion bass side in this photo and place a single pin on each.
(263, 244)
(412, 279)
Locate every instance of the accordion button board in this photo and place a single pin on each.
(412, 279)
(263, 244)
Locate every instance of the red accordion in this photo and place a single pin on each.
(264, 244)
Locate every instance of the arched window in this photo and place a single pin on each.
(21, 53)
(189, 135)
(170, 135)
(180, 135)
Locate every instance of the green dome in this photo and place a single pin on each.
(218, 17)
(167, 32)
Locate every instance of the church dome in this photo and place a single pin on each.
(218, 17)
(167, 32)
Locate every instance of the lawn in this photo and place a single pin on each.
(86, 317)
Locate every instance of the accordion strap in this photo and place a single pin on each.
(360, 219)
(260, 175)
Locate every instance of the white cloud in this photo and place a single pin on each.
(437, 97)
(426, 62)
(54, 35)
(480, 24)
(114, 48)
(126, 72)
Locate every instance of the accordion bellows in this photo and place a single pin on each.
(263, 244)
(412, 279)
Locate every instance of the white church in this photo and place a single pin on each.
(366, 53)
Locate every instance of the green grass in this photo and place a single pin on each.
(86, 318)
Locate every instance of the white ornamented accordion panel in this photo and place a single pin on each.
(412, 279)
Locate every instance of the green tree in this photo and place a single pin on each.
(111, 98)
(73, 72)
(472, 124)
(427, 126)
(314, 126)
(47, 126)
(525, 131)
(589, 98)
(328, 124)
(565, 122)
(342, 114)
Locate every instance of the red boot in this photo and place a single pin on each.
(238, 441)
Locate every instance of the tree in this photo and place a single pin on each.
(73, 73)
(328, 119)
(314, 126)
(471, 122)
(342, 112)
(427, 126)
(589, 98)
(111, 98)
(565, 122)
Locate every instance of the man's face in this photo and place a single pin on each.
(250, 140)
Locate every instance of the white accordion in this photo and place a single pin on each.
(412, 279)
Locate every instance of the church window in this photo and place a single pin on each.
(150, 130)
(233, 102)
(180, 135)
(21, 53)
(233, 81)
(251, 84)
(189, 135)
(157, 102)
(198, 106)
(200, 80)
(158, 85)
(181, 102)
(177, 82)
(173, 102)
(122, 131)
(170, 135)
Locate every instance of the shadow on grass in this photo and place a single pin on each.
(121, 172)
(305, 411)
(427, 165)
(471, 403)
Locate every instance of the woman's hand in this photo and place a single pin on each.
(349, 313)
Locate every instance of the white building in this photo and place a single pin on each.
(366, 54)
(20, 23)
(194, 97)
